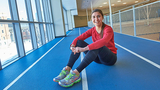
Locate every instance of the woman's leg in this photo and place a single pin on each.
(90, 56)
(102, 55)
(106, 56)
(66, 71)
(73, 58)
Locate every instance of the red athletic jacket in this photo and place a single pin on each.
(98, 42)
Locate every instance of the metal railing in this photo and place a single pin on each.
(142, 21)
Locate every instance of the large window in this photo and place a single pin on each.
(23, 28)
(8, 49)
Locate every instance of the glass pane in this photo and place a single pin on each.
(34, 10)
(42, 10)
(50, 15)
(26, 37)
(39, 43)
(22, 10)
(8, 49)
(45, 33)
(52, 30)
(4, 12)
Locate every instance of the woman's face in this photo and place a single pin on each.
(97, 19)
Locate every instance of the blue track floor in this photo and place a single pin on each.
(129, 73)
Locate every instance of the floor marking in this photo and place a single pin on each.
(69, 33)
(145, 59)
(15, 80)
(84, 76)
(139, 37)
(85, 28)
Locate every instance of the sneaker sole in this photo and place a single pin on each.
(71, 83)
(55, 80)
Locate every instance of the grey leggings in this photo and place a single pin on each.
(102, 56)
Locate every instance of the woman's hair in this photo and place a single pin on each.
(97, 10)
(103, 25)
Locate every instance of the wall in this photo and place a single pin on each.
(80, 21)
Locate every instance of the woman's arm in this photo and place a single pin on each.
(83, 36)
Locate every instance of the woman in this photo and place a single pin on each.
(102, 50)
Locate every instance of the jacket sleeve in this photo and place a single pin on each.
(83, 36)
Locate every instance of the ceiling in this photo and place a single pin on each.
(86, 4)
(70, 5)
(82, 5)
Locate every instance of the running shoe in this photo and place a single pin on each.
(62, 75)
(69, 80)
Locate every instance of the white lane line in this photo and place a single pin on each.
(84, 76)
(69, 33)
(15, 80)
(85, 28)
(138, 37)
(143, 58)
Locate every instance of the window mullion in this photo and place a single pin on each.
(39, 15)
(17, 28)
(46, 18)
(31, 25)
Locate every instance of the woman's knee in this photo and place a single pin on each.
(81, 43)
(111, 61)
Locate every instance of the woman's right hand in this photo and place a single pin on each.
(73, 48)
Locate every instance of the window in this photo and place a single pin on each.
(22, 10)
(49, 7)
(45, 32)
(42, 10)
(34, 10)
(26, 37)
(38, 35)
(8, 49)
(11, 41)
(4, 12)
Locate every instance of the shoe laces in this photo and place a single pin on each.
(63, 72)
(69, 76)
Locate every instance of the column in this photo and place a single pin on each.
(58, 20)
(110, 9)
(69, 17)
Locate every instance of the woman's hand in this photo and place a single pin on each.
(79, 49)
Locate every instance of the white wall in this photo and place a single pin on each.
(59, 24)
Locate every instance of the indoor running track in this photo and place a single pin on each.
(137, 67)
